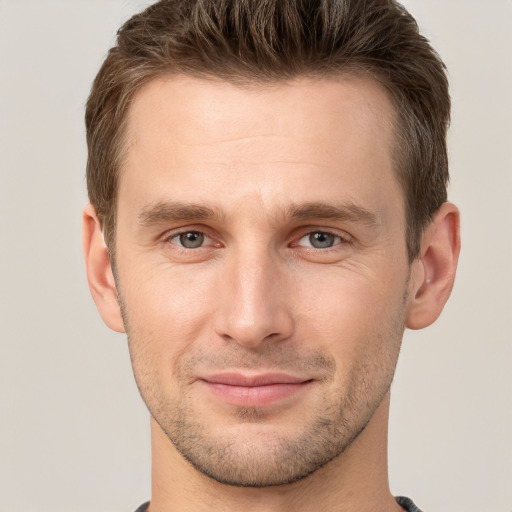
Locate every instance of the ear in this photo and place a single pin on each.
(99, 270)
(433, 272)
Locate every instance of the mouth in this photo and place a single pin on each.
(254, 390)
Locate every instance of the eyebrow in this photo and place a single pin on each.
(346, 211)
(167, 212)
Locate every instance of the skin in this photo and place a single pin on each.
(254, 175)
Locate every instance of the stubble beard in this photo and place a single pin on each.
(267, 460)
(276, 460)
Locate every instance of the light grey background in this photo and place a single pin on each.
(74, 433)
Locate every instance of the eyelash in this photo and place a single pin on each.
(177, 235)
(339, 239)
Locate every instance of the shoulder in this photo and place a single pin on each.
(143, 507)
(405, 503)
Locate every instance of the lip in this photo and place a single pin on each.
(254, 390)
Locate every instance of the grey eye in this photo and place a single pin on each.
(321, 240)
(191, 239)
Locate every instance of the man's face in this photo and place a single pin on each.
(262, 269)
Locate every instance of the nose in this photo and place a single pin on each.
(253, 306)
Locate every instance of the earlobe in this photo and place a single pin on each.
(99, 270)
(433, 272)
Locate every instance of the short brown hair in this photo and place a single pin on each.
(261, 41)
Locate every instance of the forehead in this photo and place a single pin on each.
(305, 138)
(189, 108)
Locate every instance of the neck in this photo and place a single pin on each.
(355, 480)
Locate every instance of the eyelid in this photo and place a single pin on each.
(177, 236)
(344, 237)
(168, 236)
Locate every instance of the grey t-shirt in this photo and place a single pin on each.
(405, 503)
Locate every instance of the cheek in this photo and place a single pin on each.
(355, 315)
(348, 312)
(165, 296)
(167, 313)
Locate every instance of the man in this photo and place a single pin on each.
(268, 213)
